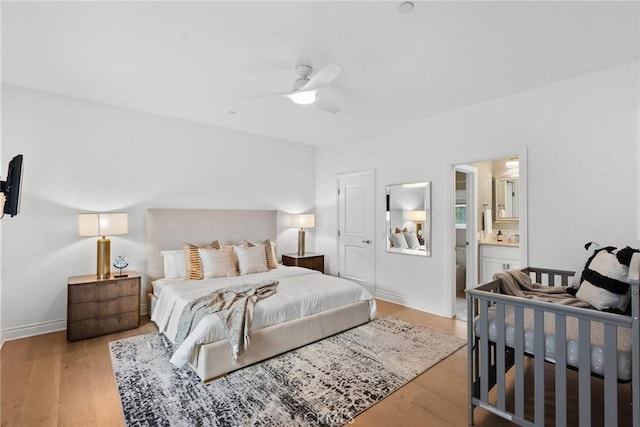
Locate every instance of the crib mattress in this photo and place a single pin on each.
(573, 357)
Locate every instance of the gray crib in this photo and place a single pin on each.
(506, 332)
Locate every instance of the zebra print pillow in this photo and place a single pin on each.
(270, 252)
(193, 261)
(605, 279)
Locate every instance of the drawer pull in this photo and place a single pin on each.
(108, 300)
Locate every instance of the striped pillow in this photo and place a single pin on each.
(193, 262)
(218, 262)
(270, 252)
(251, 259)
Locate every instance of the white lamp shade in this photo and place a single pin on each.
(107, 224)
(302, 220)
(415, 216)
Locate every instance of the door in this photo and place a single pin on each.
(356, 228)
(471, 239)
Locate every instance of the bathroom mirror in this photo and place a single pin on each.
(506, 199)
(409, 218)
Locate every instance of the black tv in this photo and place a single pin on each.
(11, 187)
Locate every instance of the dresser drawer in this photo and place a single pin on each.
(103, 291)
(94, 327)
(101, 309)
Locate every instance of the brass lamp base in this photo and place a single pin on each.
(104, 257)
(301, 234)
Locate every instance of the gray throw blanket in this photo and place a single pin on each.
(518, 284)
(234, 306)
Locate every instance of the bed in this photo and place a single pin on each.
(508, 335)
(306, 307)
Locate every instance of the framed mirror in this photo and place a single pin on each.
(506, 199)
(409, 218)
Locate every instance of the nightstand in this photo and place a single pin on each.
(308, 260)
(102, 306)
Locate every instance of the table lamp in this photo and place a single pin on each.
(103, 224)
(302, 221)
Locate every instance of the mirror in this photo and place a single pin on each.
(506, 194)
(409, 218)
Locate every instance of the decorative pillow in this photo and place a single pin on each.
(251, 259)
(412, 239)
(399, 241)
(605, 279)
(218, 262)
(401, 231)
(270, 252)
(193, 262)
(174, 264)
(574, 283)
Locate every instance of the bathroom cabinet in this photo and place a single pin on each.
(495, 258)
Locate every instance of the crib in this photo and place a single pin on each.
(506, 336)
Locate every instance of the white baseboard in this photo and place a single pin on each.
(33, 329)
(411, 303)
(41, 328)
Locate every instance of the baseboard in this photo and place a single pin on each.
(411, 303)
(41, 328)
(33, 329)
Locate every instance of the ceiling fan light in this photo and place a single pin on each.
(304, 98)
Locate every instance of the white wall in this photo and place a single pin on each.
(82, 157)
(582, 146)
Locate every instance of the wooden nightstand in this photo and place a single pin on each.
(308, 260)
(101, 306)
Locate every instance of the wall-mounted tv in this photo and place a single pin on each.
(11, 187)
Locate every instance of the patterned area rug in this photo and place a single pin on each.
(326, 383)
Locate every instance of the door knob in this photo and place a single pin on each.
(366, 241)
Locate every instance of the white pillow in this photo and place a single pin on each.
(412, 239)
(251, 259)
(174, 264)
(272, 258)
(218, 262)
(399, 241)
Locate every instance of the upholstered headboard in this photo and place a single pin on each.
(170, 228)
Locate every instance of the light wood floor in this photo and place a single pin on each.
(47, 381)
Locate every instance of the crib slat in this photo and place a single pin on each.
(519, 361)
(538, 367)
(561, 370)
(611, 375)
(484, 351)
(584, 372)
(500, 362)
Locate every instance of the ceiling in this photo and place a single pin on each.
(196, 60)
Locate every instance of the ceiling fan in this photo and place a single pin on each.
(305, 87)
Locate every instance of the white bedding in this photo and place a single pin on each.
(301, 292)
(597, 340)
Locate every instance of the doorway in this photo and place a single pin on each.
(476, 218)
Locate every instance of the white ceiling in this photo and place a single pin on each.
(195, 60)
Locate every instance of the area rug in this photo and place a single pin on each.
(326, 383)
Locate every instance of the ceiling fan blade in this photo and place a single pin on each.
(326, 105)
(267, 95)
(323, 77)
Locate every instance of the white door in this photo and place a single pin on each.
(471, 240)
(356, 228)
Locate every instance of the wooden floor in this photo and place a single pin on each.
(47, 381)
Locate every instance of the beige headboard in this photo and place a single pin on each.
(170, 228)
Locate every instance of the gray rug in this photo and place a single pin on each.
(326, 383)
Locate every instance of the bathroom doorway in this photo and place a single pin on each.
(481, 221)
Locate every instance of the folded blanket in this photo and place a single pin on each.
(234, 306)
(519, 284)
